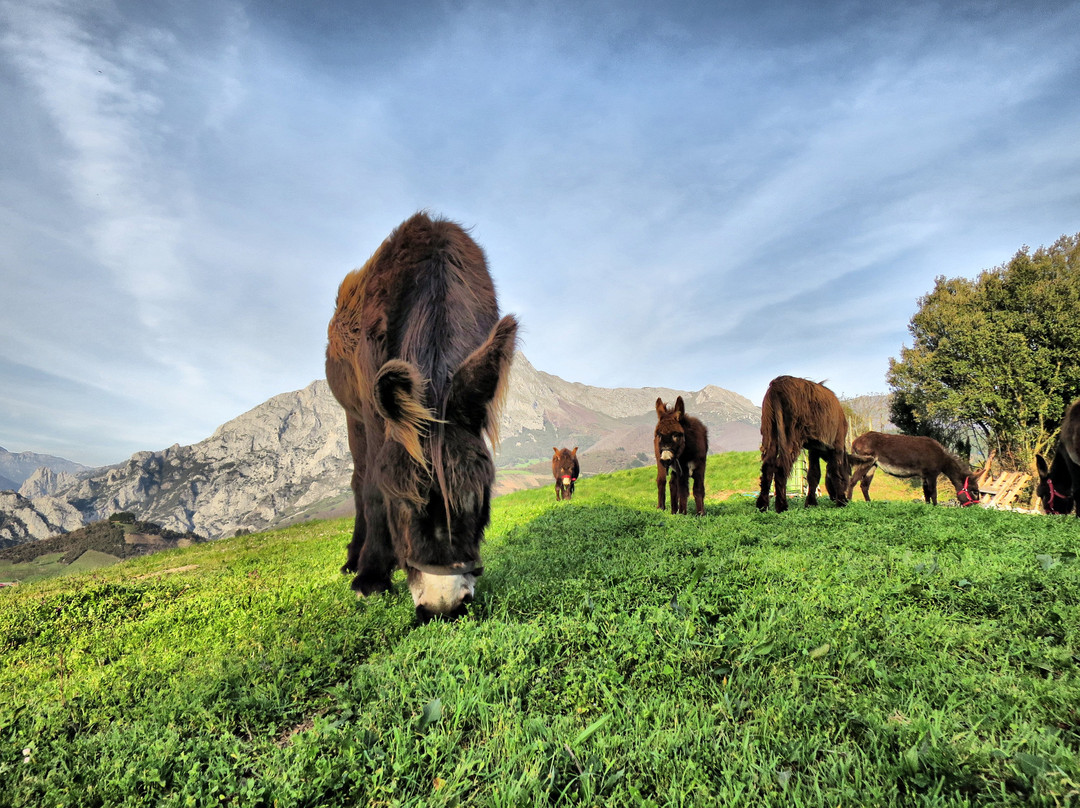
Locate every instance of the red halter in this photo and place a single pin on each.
(1053, 495)
(967, 499)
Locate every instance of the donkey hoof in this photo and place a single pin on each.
(365, 585)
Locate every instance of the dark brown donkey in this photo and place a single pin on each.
(1059, 484)
(564, 465)
(681, 443)
(418, 357)
(909, 456)
(798, 414)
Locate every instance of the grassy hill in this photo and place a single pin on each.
(99, 544)
(883, 654)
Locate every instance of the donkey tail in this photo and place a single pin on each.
(773, 432)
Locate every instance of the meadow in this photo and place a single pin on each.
(888, 653)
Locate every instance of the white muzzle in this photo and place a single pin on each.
(440, 594)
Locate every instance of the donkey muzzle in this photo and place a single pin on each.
(442, 590)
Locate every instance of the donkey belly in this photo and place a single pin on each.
(894, 470)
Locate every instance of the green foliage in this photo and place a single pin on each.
(995, 360)
(881, 654)
(123, 517)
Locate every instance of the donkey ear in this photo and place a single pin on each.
(399, 399)
(680, 407)
(1040, 464)
(555, 449)
(477, 388)
(661, 410)
(574, 453)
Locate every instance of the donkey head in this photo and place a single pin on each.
(562, 465)
(669, 439)
(969, 494)
(1055, 485)
(436, 472)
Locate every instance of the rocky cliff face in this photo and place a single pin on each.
(22, 519)
(288, 458)
(45, 482)
(259, 469)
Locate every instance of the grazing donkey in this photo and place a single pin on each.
(1059, 484)
(418, 358)
(681, 444)
(798, 414)
(565, 468)
(910, 456)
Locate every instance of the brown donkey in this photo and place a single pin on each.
(418, 358)
(1059, 484)
(564, 465)
(681, 444)
(798, 414)
(909, 456)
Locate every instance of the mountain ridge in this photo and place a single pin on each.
(287, 459)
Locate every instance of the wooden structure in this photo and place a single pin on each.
(1000, 492)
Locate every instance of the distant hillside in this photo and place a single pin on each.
(871, 412)
(16, 467)
(95, 545)
(613, 427)
(287, 459)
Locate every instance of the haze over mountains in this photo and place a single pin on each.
(288, 459)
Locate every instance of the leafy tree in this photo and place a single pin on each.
(995, 360)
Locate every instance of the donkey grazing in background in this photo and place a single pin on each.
(418, 358)
(681, 444)
(909, 456)
(564, 465)
(797, 414)
(1059, 484)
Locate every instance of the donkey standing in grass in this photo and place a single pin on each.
(565, 467)
(909, 456)
(418, 358)
(681, 444)
(1059, 484)
(798, 414)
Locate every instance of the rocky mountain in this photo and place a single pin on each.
(22, 519)
(288, 459)
(16, 467)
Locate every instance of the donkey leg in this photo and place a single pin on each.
(835, 481)
(780, 489)
(929, 489)
(813, 477)
(356, 544)
(684, 491)
(376, 560)
(699, 489)
(661, 485)
(676, 505)
(767, 471)
(865, 484)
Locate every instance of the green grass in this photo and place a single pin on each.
(882, 654)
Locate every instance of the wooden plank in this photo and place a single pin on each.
(1001, 492)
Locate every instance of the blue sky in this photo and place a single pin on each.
(669, 194)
